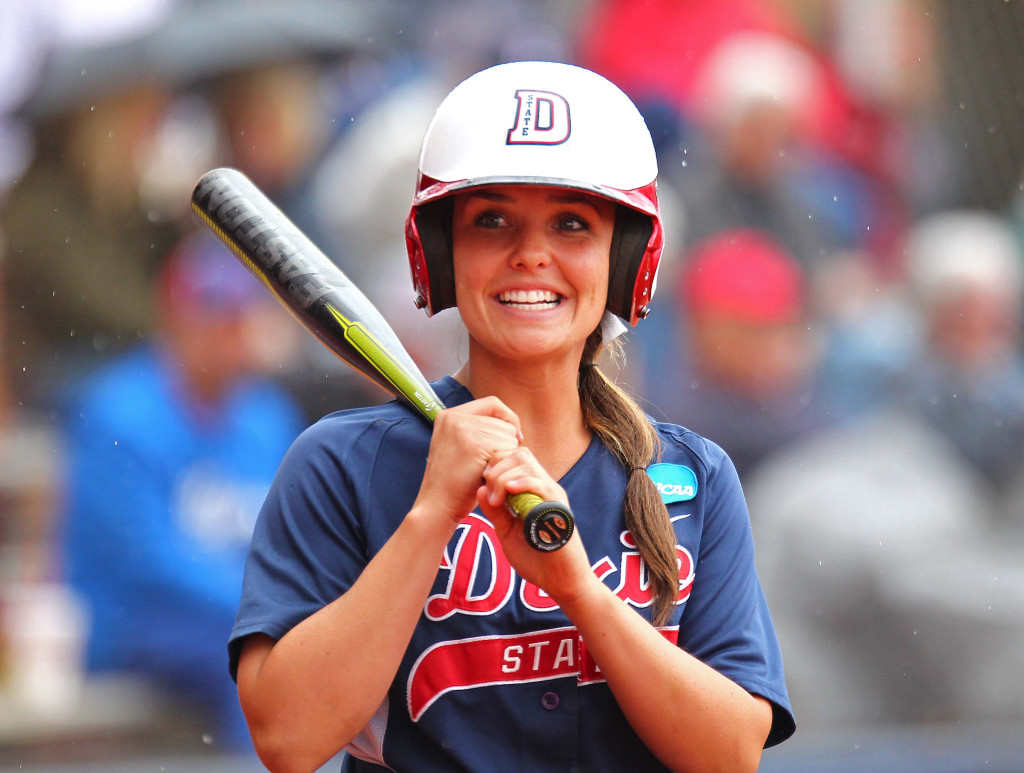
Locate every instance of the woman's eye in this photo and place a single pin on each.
(573, 223)
(489, 220)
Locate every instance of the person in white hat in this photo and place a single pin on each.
(392, 606)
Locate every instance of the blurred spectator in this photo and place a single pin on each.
(170, 450)
(276, 120)
(77, 129)
(892, 545)
(757, 92)
(81, 251)
(676, 38)
(870, 332)
(746, 347)
(895, 600)
(771, 136)
(966, 275)
(126, 118)
(888, 55)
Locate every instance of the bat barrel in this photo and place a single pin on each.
(309, 284)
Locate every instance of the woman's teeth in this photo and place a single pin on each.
(529, 299)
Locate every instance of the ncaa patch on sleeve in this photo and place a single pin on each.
(676, 482)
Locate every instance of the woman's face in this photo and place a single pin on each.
(531, 268)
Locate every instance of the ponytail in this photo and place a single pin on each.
(618, 421)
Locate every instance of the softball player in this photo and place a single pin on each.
(391, 604)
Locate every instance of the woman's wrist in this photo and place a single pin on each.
(584, 596)
(428, 525)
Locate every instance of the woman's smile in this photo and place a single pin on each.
(529, 300)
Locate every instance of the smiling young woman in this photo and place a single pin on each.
(392, 606)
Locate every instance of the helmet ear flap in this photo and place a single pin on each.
(434, 224)
(629, 244)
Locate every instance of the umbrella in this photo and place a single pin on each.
(201, 40)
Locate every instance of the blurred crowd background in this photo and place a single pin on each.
(839, 306)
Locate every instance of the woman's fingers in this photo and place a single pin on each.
(490, 407)
(515, 471)
(464, 440)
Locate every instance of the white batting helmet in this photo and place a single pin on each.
(539, 123)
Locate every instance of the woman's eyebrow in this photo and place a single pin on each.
(573, 198)
(562, 197)
(487, 196)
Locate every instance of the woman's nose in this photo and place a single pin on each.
(532, 249)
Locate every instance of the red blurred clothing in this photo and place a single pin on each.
(657, 49)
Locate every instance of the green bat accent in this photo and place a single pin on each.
(378, 356)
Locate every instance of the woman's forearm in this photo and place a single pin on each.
(689, 715)
(307, 695)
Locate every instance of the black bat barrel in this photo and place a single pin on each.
(308, 283)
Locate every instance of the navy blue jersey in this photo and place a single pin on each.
(496, 677)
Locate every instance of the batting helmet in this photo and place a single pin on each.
(539, 123)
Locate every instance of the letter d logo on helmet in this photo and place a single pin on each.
(539, 123)
(542, 118)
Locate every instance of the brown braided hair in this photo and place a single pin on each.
(612, 415)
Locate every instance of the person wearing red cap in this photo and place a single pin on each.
(749, 352)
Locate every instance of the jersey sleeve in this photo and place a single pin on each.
(726, 622)
(308, 546)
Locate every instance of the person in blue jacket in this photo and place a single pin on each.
(171, 448)
(392, 606)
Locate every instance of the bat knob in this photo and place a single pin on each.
(548, 526)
